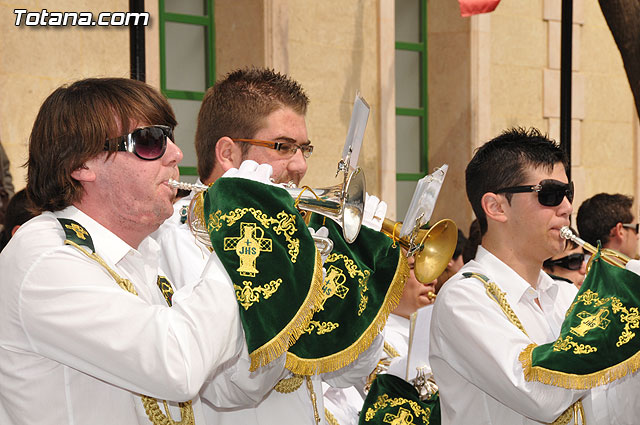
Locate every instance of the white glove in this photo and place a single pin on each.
(251, 170)
(634, 266)
(324, 233)
(374, 212)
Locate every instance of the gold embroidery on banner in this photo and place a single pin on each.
(629, 316)
(248, 247)
(332, 285)
(404, 417)
(283, 225)
(383, 401)
(247, 295)
(591, 321)
(79, 230)
(568, 343)
(322, 327)
(353, 270)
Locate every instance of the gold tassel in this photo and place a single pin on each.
(291, 332)
(343, 358)
(575, 381)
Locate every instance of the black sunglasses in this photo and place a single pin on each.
(570, 262)
(634, 227)
(146, 143)
(550, 192)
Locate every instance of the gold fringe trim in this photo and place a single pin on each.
(575, 381)
(331, 420)
(342, 358)
(274, 348)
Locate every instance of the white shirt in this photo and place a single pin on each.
(475, 348)
(183, 257)
(235, 396)
(75, 348)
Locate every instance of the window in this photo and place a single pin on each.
(411, 99)
(187, 67)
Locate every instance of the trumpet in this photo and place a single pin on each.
(432, 248)
(343, 203)
(611, 256)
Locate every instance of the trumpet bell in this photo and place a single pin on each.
(343, 203)
(438, 245)
(435, 247)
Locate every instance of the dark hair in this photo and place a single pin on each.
(502, 162)
(462, 241)
(600, 213)
(17, 214)
(237, 106)
(72, 126)
(475, 238)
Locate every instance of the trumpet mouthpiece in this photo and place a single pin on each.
(566, 233)
(187, 186)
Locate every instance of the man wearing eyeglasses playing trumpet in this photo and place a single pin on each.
(254, 116)
(609, 219)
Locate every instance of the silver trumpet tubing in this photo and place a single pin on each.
(611, 256)
(199, 228)
(343, 203)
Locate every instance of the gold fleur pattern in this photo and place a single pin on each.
(247, 295)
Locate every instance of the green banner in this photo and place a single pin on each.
(394, 401)
(266, 248)
(598, 342)
(363, 284)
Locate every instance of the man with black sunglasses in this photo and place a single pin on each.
(609, 219)
(502, 301)
(256, 116)
(91, 330)
(569, 265)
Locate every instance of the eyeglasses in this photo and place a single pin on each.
(550, 192)
(570, 262)
(634, 227)
(148, 143)
(285, 148)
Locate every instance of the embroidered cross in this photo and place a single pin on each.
(404, 417)
(80, 231)
(248, 246)
(591, 321)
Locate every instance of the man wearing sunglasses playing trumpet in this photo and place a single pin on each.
(501, 301)
(91, 330)
(250, 117)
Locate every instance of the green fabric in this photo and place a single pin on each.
(166, 288)
(598, 342)
(75, 232)
(392, 400)
(363, 284)
(266, 248)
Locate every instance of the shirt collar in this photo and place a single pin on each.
(107, 245)
(511, 282)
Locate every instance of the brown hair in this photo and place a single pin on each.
(72, 127)
(600, 213)
(237, 106)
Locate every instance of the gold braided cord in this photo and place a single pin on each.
(274, 348)
(392, 352)
(494, 292)
(342, 358)
(289, 385)
(314, 400)
(150, 404)
(331, 420)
